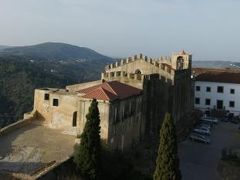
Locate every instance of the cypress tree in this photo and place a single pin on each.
(167, 162)
(87, 154)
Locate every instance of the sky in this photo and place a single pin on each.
(209, 29)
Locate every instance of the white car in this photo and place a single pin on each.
(202, 131)
(199, 138)
(210, 119)
(204, 128)
(205, 125)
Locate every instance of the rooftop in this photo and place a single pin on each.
(109, 91)
(220, 76)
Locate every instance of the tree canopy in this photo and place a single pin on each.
(87, 155)
(167, 162)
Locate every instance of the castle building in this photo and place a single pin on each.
(133, 96)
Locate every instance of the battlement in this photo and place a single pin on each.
(159, 77)
(131, 59)
(122, 74)
(163, 63)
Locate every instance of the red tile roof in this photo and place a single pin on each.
(220, 76)
(109, 91)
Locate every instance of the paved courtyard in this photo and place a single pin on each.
(199, 161)
(32, 147)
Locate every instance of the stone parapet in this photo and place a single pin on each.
(159, 63)
(28, 118)
(122, 74)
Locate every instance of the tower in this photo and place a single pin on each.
(182, 60)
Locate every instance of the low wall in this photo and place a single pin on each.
(28, 118)
(77, 87)
(56, 170)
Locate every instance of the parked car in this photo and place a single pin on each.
(234, 121)
(210, 123)
(205, 125)
(210, 119)
(204, 128)
(202, 131)
(199, 138)
(225, 119)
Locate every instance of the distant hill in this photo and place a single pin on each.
(55, 52)
(18, 79)
(214, 64)
(22, 69)
(3, 47)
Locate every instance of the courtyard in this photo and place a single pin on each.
(199, 161)
(33, 147)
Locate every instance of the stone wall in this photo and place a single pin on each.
(182, 94)
(135, 80)
(139, 66)
(157, 100)
(28, 118)
(62, 116)
(103, 107)
(77, 87)
(126, 123)
(160, 97)
(56, 116)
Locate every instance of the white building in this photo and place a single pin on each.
(218, 90)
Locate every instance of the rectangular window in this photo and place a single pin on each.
(46, 96)
(220, 89)
(198, 88)
(55, 102)
(231, 104)
(208, 89)
(207, 101)
(197, 100)
(232, 91)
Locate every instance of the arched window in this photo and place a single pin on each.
(74, 122)
(180, 63)
(138, 71)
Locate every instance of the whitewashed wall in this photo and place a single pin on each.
(226, 96)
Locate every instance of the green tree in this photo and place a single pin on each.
(167, 163)
(87, 155)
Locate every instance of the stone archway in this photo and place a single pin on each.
(180, 63)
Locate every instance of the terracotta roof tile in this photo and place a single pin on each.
(109, 91)
(224, 77)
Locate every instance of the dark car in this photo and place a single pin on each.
(234, 121)
(199, 138)
(225, 119)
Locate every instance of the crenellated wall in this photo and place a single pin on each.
(143, 63)
(128, 60)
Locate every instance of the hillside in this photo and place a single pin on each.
(213, 64)
(3, 47)
(21, 74)
(56, 51)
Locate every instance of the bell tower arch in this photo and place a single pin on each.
(181, 60)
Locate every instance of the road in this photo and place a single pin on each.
(199, 161)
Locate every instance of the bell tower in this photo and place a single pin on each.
(182, 60)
